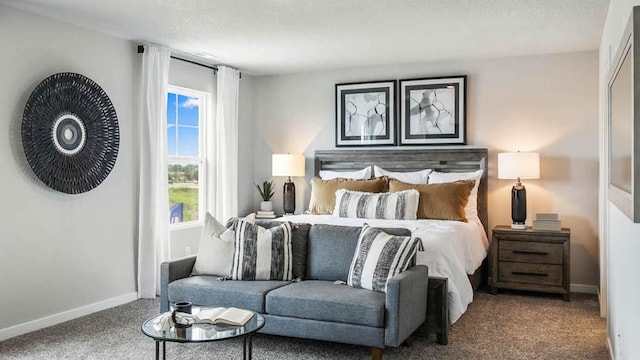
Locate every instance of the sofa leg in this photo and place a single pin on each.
(376, 353)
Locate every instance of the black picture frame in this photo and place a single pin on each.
(433, 111)
(366, 113)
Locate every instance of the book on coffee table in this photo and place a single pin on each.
(220, 315)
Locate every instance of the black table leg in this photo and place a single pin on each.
(157, 350)
(250, 347)
(164, 350)
(244, 347)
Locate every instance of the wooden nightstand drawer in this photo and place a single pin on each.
(530, 252)
(530, 260)
(542, 274)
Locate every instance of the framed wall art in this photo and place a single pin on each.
(624, 122)
(365, 114)
(433, 111)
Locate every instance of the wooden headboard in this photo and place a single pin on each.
(463, 159)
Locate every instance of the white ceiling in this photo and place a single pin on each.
(286, 36)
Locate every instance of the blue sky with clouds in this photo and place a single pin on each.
(182, 125)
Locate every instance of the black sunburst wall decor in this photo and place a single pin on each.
(70, 133)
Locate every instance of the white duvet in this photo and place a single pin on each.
(452, 249)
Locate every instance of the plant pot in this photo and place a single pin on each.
(266, 206)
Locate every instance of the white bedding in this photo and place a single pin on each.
(453, 249)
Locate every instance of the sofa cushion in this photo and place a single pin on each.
(326, 301)
(299, 239)
(324, 261)
(209, 291)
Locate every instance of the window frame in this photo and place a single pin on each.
(202, 152)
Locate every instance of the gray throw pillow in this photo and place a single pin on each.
(380, 256)
(299, 244)
(262, 254)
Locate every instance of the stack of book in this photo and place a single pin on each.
(546, 221)
(265, 215)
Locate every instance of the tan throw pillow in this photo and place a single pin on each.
(323, 192)
(444, 201)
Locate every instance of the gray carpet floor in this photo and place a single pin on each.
(505, 326)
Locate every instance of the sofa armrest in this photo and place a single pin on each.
(406, 304)
(170, 271)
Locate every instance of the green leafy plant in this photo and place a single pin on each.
(266, 191)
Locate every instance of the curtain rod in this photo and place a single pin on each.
(214, 68)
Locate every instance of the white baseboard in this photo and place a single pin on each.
(585, 289)
(55, 319)
(610, 348)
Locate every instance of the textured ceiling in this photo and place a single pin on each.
(286, 36)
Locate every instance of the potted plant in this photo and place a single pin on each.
(266, 192)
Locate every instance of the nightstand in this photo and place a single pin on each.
(530, 260)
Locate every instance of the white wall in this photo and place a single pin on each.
(621, 236)
(538, 103)
(63, 256)
(62, 252)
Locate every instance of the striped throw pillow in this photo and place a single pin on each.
(402, 205)
(379, 257)
(262, 254)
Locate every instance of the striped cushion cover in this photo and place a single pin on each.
(380, 256)
(262, 254)
(402, 205)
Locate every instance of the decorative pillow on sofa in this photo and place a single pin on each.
(299, 245)
(401, 205)
(262, 254)
(216, 247)
(471, 209)
(411, 177)
(356, 175)
(444, 201)
(323, 192)
(379, 257)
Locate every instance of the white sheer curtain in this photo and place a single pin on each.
(224, 174)
(153, 213)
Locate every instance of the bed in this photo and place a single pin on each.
(454, 251)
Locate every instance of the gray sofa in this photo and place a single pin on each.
(315, 308)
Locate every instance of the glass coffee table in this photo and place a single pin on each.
(197, 333)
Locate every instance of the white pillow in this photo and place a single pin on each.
(401, 205)
(412, 177)
(215, 252)
(356, 175)
(471, 209)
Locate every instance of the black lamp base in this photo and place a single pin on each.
(289, 197)
(518, 206)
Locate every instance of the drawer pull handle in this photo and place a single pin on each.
(528, 273)
(530, 252)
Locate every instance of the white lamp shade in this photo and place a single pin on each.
(287, 165)
(523, 165)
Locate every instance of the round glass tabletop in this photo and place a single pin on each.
(202, 332)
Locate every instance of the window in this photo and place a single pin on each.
(186, 154)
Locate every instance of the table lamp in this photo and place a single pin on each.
(518, 165)
(288, 165)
